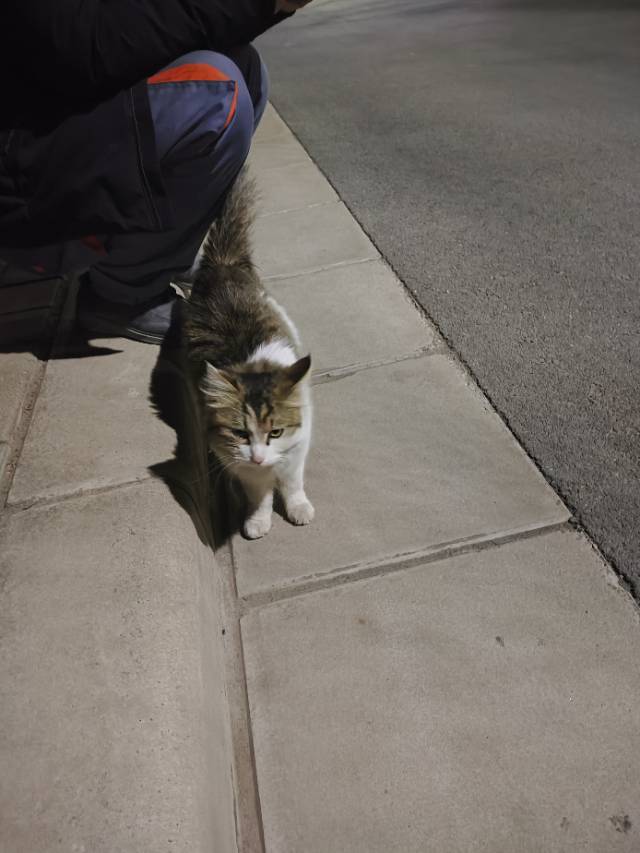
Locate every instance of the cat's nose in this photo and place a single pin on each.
(258, 456)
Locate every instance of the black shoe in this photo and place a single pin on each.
(148, 322)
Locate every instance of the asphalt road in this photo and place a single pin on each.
(492, 152)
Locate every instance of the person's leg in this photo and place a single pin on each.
(204, 115)
(205, 108)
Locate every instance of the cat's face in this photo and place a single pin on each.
(255, 413)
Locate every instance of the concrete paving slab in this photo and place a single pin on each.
(407, 458)
(114, 729)
(276, 154)
(292, 188)
(16, 372)
(93, 425)
(315, 238)
(271, 128)
(482, 703)
(354, 314)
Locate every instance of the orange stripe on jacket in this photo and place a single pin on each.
(198, 71)
(232, 111)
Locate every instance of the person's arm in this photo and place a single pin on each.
(83, 48)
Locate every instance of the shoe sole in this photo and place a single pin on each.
(107, 328)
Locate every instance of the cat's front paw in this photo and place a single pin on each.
(300, 512)
(257, 526)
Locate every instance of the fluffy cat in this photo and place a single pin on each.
(254, 380)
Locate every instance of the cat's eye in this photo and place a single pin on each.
(241, 433)
(276, 433)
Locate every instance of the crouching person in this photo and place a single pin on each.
(123, 128)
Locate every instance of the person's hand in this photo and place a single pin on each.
(290, 5)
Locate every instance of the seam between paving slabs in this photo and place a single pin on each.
(297, 208)
(335, 374)
(312, 270)
(345, 575)
(27, 406)
(21, 428)
(63, 497)
(247, 806)
(53, 501)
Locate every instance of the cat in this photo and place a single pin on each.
(254, 381)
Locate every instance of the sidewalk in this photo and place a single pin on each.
(440, 662)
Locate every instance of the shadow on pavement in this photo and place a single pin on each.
(194, 478)
(37, 317)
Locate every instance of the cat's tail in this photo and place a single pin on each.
(228, 243)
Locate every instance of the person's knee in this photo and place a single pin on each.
(236, 124)
(245, 67)
(255, 75)
(211, 118)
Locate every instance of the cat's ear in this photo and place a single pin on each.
(296, 372)
(218, 383)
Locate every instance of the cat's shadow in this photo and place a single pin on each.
(197, 481)
(192, 479)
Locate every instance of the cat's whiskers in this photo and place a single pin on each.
(226, 467)
(209, 470)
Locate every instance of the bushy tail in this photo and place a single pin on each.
(228, 243)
